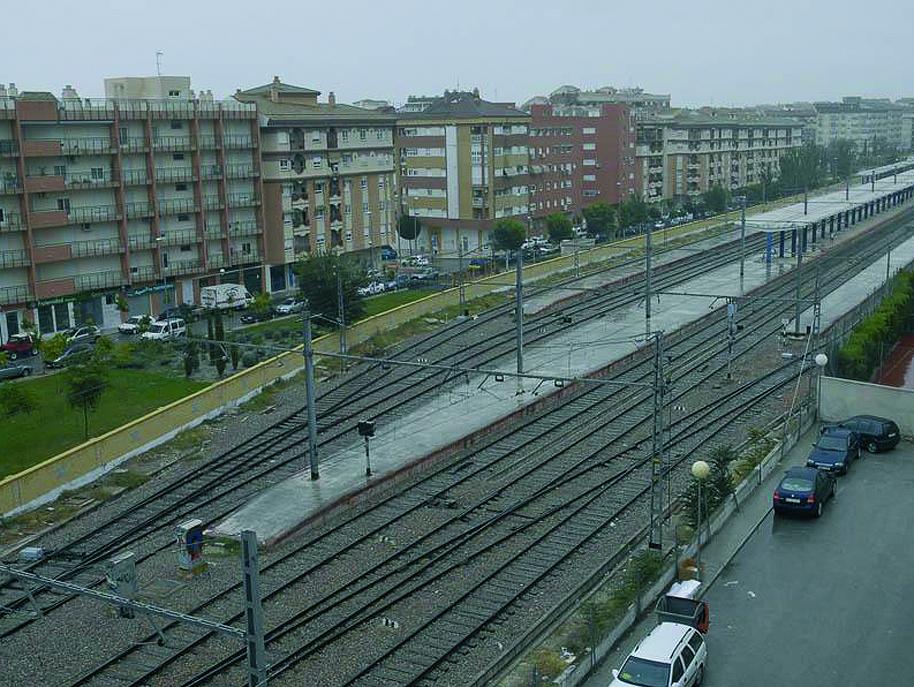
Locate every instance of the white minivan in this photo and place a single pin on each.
(672, 655)
(165, 330)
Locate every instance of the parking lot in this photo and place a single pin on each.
(828, 601)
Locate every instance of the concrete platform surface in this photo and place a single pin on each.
(469, 406)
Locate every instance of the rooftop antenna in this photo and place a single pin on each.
(159, 54)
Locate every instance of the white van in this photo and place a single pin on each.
(165, 330)
(672, 655)
(225, 297)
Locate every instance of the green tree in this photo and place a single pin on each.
(219, 327)
(319, 277)
(220, 362)
(261, 303)
(53, 347)
(559, 228)
(123, 355)
(14, 399)
(803, 168)
(210, 334)
(633, 211)
(509, 234)
(121, 303)
(716, 198)
(235, 354)
(842, 155)
(191, 358)
(4, 358)
(85, 384)
(409, 227)
(601, 219)
(103, 352)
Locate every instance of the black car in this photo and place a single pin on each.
(876, 433)
(73, 354)
(835, 450)
(168, 314)
(252, 317)
(804, 491)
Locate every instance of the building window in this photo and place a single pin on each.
(588, 130)
(63, 204)
(180, 187)
(60, 170)
(175, 124)
(185, 248)
(363, 134)
(97, 173)
(344, 134)
(590, 146)
(364, 184)
(183, 218)
(316, 162)
(174, 94)
(177, 156)
(285, 165)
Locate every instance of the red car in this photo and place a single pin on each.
(19, 345)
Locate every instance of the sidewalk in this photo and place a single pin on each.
(754, 509)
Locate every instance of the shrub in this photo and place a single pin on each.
(249, 359)
(14, 399)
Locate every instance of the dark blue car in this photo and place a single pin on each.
(835, 450)
(803, 491)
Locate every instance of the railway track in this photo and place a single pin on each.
(220, 483)
(542, 499)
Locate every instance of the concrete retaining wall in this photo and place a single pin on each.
(842, 398)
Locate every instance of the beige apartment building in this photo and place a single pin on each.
(130, 196)
(464, 164)
(328, 177)
(682, 154)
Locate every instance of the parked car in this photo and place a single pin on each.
(388, 254)
(165, 331)
(261, 316)
(804, 491)
(876, 433)
(835, 450)
(672, 655)
(416, 261)
(88, 333)
(371, 289)
(134, 324)
(168, 314)
(73, 354)
(425, 275)
(14, 371)
(19, 345)
(289, 306)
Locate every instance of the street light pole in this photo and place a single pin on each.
(821, 361)
(519, 301)
(700, 471)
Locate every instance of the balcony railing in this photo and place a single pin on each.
(134, 145)
(207, 141)
(237, 141)
(211, 171)
(86, 146)
(13, 258)
(173, 174)
(15, 294)
(212, 232)
(140, 242)
(96, 213)
(212, 203)
(84, 249)
(179, 238)
(144, 273)
(244, 228)
(241, 258)
(240, 171)
(10, 183)
(236, 200)
(173, 143)
(183, 267)
(11, 222)
(8, 148)
(76, 109)
(99, 280)
(88, 180)
(139, 208)
(177, 205)
(216, 260)
(135, 177)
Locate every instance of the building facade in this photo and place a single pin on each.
(329, 180)
(864, 121)
(463, 164)
(682, 154)
(580, 155)
(140, 199)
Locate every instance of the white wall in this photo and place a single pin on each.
(842, 398)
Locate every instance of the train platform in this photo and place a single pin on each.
(480, 401)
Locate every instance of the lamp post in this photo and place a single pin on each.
(821, 361)
(159, 240)
(700, 471)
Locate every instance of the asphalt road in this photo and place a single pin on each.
(828, 601)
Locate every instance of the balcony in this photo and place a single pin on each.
(139, 209)
(212, 203)
(15, 294)
(48, 218)
(237, 141)
(9, 148)
(182, 267)
(87, 146)
(241, 258)
(244, 228)
(240, 172)
(211, 171)
(144, 273)
(10, 184)
(33, 148)
(212, 232)
(13, 258)
(216, 260)
(85, 249)
(54, 288)
(78, 180)
(175, 174)
(96, 213)
(179, 238)
(10, 222)
(134, 145)
(135, 177)
(173, 143)
(206, 142)
(177, 206)
(99, 280)
(140, 242)
(52, 253)
(42, 183)
(239, 200)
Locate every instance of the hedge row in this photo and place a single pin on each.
(861, 354)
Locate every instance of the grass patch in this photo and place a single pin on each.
(126, 479)
(53, 426)
(389, 301)
(189, 438)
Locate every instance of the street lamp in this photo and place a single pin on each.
(159, 240)
(700, 471)
(821, 361)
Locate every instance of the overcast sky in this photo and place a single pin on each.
(701, 51)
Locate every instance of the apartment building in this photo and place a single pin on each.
(636, 99)
(682, 154)
(867, 122)
(580, 155)
(329, 180)
(464, 164)
(138, 198)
